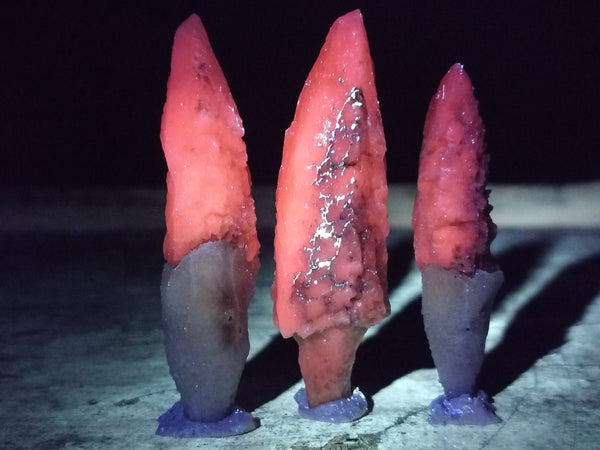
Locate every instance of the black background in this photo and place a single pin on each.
(83, 84)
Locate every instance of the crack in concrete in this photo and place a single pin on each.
(345, 442)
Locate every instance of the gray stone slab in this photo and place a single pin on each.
(82, 362)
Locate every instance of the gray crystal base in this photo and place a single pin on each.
(456, 313)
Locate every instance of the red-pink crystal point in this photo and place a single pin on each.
(451, 221)
(208, 183)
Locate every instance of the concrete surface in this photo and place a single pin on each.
(82, 361)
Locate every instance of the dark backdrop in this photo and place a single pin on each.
(83, 84)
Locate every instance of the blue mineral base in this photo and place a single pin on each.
(173, 423)
(335, 411)
(462, 410)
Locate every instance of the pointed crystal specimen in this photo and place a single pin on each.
(211, 246)
(452, 235)
(331, 259)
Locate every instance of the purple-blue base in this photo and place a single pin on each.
(336, 411)
(173, 423)
(463, 410)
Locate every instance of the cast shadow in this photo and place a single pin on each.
(275, 368)
(266, 238)
(399, 348)
(517, 263)
(269, 373)
(541, 325)
(401, 256)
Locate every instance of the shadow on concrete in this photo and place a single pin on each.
(266, 238)
(275, 368)
(272, 371)
(401, 256)
(400, 346)
(517, 263)
(542, 324)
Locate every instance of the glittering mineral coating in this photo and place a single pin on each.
(208, 182)
(331, 195)
(451, 221)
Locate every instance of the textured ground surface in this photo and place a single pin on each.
(82, 362)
